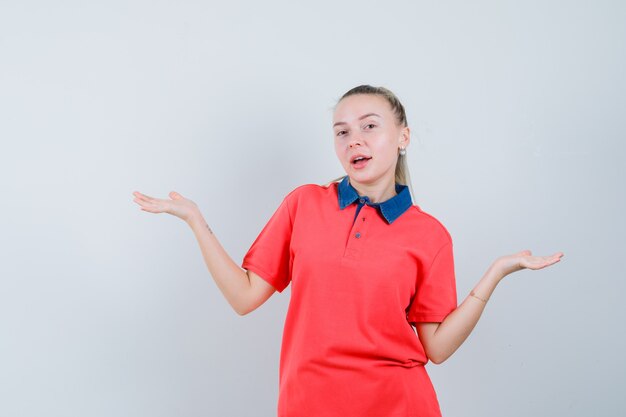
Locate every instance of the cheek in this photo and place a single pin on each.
(340, 154)
(385, 149)
(340, 148)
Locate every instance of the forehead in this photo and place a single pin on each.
(352, 107)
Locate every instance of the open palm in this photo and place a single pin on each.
(177, 205)
(525, 260)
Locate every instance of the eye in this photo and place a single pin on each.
(341, 132)
(370, 124)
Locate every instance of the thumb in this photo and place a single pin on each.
(175, 196)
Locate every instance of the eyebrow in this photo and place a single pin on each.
(360, 118)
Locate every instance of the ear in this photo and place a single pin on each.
(405, 137)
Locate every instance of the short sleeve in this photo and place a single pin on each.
(269, 256)
(435, 296)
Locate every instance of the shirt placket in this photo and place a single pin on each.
(359, 232)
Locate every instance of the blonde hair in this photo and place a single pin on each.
(402, 168)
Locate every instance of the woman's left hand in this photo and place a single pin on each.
(524, 259)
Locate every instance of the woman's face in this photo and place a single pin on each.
(364, 124)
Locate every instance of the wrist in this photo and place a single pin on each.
(497, 271)
(195, 219)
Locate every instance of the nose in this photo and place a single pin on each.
(354, 141)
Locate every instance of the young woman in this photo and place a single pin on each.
(365, 265)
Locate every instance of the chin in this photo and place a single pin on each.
(362, 177)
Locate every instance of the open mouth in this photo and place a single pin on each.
(360, 162)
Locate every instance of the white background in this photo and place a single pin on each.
(517, 117)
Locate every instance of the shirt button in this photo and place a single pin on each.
(361, 200)
(357, 235)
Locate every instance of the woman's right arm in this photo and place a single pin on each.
(244, 290)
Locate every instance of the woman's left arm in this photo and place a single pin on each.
(441, 340)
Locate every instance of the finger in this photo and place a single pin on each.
(142, 202)
(152, 201)
(140, 197)
(149, 206)
(145, 197)
(138, 194)
(554, 260)
(549, 260)
(151, 211)
(538, 265)
(539, 262)
(544, 262)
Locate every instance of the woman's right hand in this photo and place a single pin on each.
(177, 205)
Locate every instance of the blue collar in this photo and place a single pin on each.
(390, 209)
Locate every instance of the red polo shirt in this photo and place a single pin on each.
(360, 274)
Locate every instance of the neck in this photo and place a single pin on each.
(377, 192)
